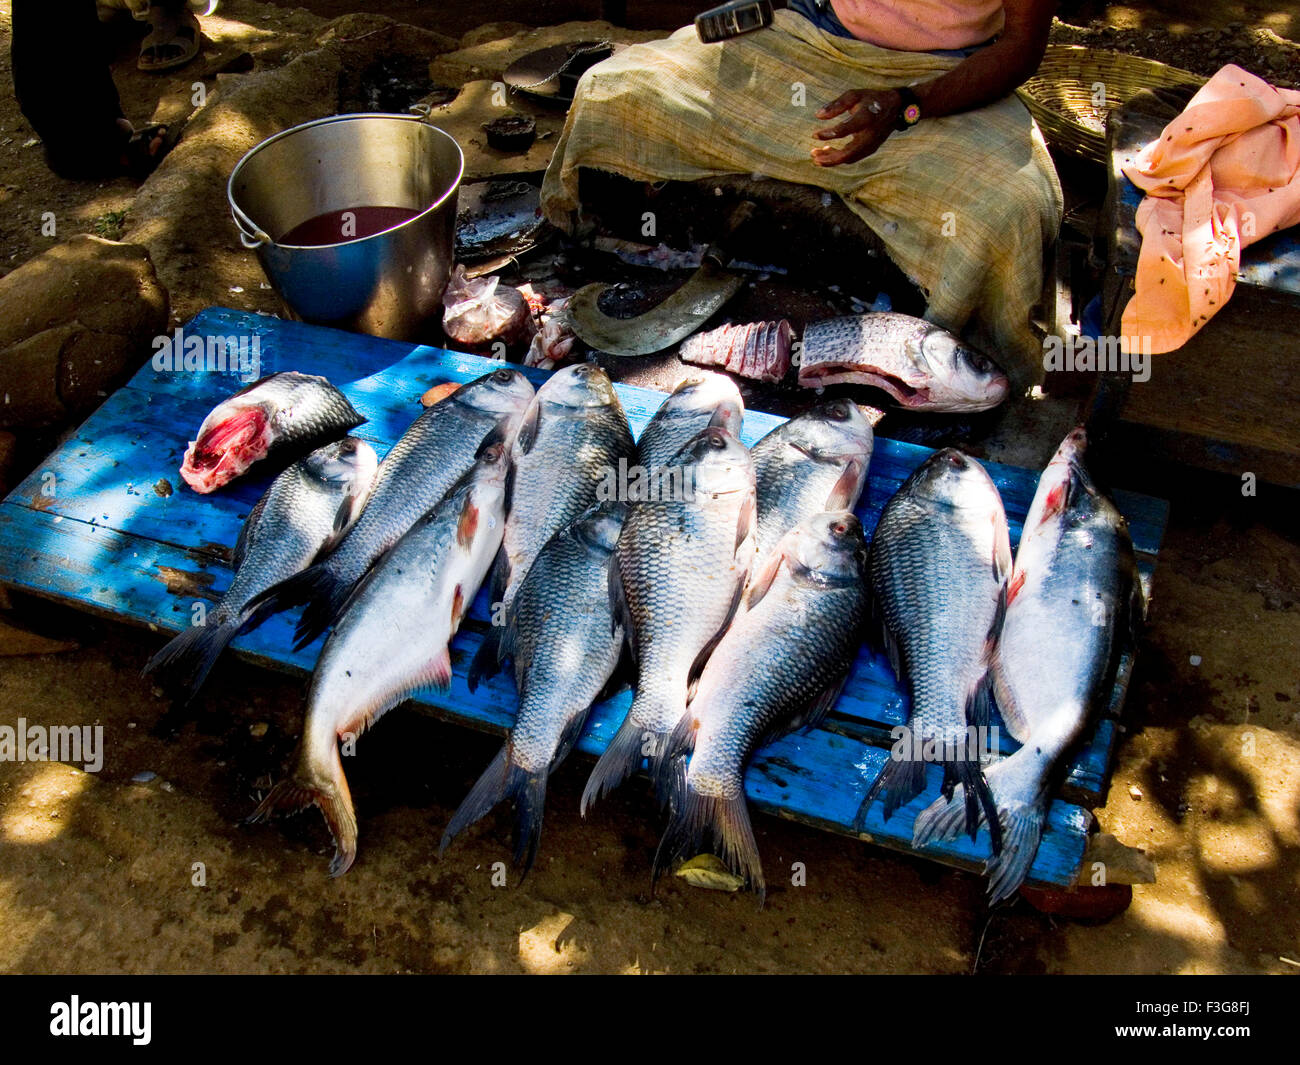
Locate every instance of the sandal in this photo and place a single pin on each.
(174, 39)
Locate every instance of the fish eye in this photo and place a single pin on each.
(503, 377)
(717, 440)
(839, 411)
(978, 362)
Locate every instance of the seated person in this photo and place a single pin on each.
(905, 108)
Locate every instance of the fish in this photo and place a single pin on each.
(812, 463)
(286, 412)
(567, 450)
(304, 513)
(565, 642)
(922, 366)
(676, 576)
(758, 350)
(779, 667)
(699, 401)
(1074, 602)
(393, 640)
(434, 452)
(938, 566)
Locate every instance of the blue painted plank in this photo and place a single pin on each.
(816, 777)
(104, 477)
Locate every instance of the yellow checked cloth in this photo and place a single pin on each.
(965, 204)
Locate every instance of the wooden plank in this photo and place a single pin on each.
(816, 778)
(69, 528)
(109, 468)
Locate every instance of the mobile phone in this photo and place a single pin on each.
(732, 19)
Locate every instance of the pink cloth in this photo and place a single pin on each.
(1223, 174)
(920, 25)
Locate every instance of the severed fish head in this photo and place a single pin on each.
(939, 372)
(236, 434)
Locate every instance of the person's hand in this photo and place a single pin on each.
(871, 117)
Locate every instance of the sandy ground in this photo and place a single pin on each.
(103, 872)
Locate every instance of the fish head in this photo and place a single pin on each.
(720, 463)
(503, 391)
(579, 386)
(829, 545)
(953, 376)
(236, 434)
(1064, 485)
(599, 526)
(837, 429)
(350, 461)
(704, 392)
(951, 478)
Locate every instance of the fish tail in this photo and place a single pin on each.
(899, 782)
(317, 586)
(696, 819)
(1022, 830)
(619, 761)
(326, 788)
(670, 767)
(192, 653)
(486, 661)
(505, 779)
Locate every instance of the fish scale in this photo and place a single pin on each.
(938, 561)
(679, 568)
(778, 667)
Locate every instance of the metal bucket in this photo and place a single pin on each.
(386, 284)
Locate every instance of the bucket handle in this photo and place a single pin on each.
(250, 236)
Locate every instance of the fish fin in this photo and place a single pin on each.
(978, 796)
(697, 667)
(943, 819)
(440, 669)
(619, 761)
(846, 490)
(487, 659)
(745, 522)
(507, 641)
(457, 606)
(1022, 831)
(765, 575)
(248, 531)
(695, 819)
(821, 705)
(526, 437)
(342, 520)
(672, 763)
(899, 782)
(620, 613)
(192, 653)
(497, 436)
(467, 523)
(331, 797)
(1014, 586)
(885, 640)
(1002, 560)
(505, 780)
(318, 587)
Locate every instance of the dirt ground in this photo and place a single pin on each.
(145, 866)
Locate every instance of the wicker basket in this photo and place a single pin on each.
(1062, 96)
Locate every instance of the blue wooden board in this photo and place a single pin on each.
(91, 527)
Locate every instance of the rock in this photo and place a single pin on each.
(1121, 864)
(75, 321)
(492, 31)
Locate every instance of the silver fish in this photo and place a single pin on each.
(568, 450)
(283, 412)
(306, 511)
(1072, 602)
(565, 642)
(779, 667)
(817, 461)
(392, 640)
(699, 401)
(938, 565)
(437, 449)
(922, 366)
(677, 575)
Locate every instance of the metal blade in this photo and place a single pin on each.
(677, 317)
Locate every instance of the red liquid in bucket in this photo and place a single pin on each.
(352, 223)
